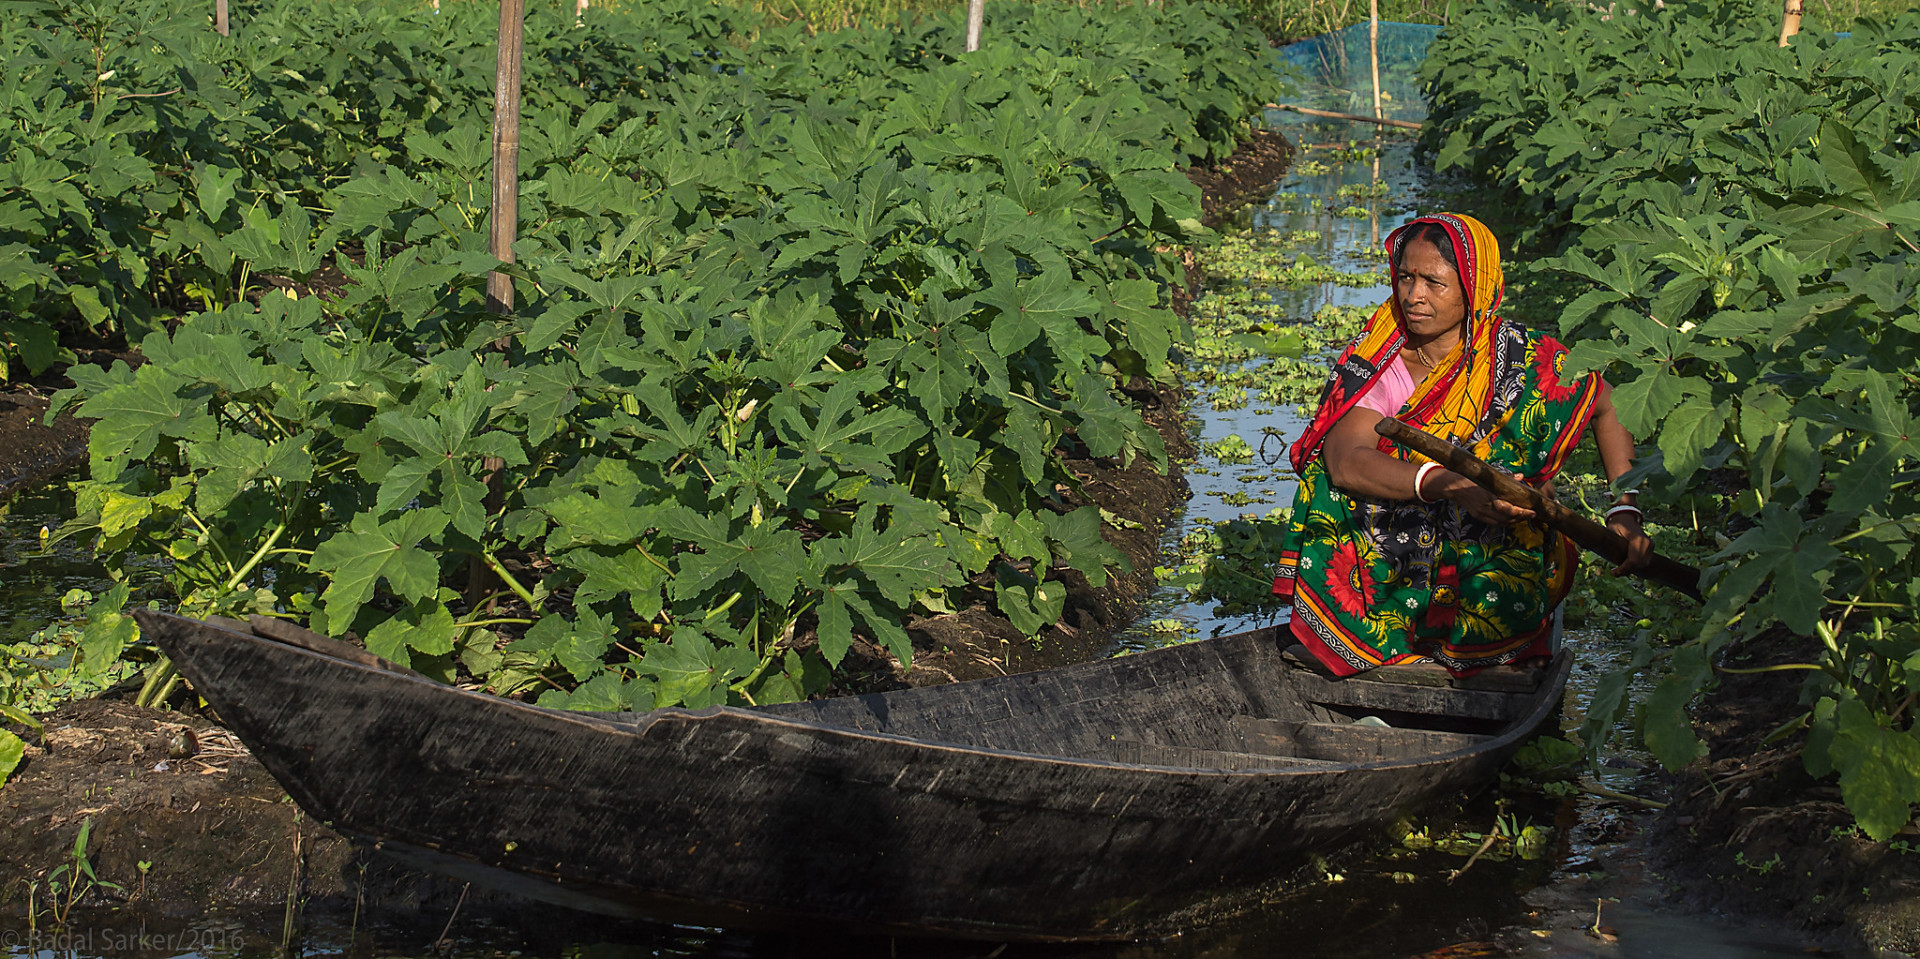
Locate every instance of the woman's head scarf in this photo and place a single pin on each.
(1455, 397)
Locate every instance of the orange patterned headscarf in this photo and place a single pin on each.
(1451, 402)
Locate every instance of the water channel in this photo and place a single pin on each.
(1387, 899)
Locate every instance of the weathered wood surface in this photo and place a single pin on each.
(1098, 801)
(504, 222)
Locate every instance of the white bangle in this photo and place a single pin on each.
(1420, 479)
(1625, 508)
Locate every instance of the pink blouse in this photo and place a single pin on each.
(1391, 391)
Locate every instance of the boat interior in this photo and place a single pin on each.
(1236, 702)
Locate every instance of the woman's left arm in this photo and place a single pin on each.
(1616, 457)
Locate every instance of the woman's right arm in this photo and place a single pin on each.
(1357, 467)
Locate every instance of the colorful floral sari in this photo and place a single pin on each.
(1379, 582)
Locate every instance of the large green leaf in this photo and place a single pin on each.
(1029, 603)
(1647, 399)
(133, 417)
(577, 645)
(1879, 770)
(1077, 542)
(12, 750)
(694, 672)
(1666, 726)
(425, 627)
(108, 633)
(771, 558)
(369, 551)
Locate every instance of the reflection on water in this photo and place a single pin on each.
(34, 579)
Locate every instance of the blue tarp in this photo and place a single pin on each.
(1338, 75)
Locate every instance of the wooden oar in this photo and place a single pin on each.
(1383, 121)
(1583, 531)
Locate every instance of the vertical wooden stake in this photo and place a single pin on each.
(1373, 50)
(220, 17)
(1790, 20)
(506, 152)
(502, 227)
(976, 20)
(580, 10)
(1373, 206)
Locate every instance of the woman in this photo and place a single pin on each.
(1391, 558)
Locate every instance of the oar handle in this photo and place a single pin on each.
(1581, 530)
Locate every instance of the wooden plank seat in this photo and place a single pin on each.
(1498, 679)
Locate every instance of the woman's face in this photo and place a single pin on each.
(1428, 289)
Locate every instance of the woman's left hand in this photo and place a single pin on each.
(1639, 547)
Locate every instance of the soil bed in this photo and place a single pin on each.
(174, 791)
(31, 451)
(1749, 831)
(1247, 175)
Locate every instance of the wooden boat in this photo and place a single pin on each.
(1117, 799)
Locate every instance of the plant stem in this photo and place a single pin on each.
(723, 607)
(157, 676)
(493, 622)
(753, 677)
(506, 577)
(211, 541)
(233, 582)
(649, 557)
(1605, 793)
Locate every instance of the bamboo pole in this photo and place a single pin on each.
(1373, 50)
(1403, 124)
(506, 152)
(1583, 531)
(220, 24)
(502, 227)
(1790, 14)
(976, 21)
(580, 10)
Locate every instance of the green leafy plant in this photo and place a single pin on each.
(804, 334)
(73, 879)
(71, 660)
(1740, 223)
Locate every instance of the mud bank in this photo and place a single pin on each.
(1750, 832)
(183, 823)
(32, 451)
(1248, 175)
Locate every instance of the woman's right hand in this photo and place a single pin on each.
(1475, 501)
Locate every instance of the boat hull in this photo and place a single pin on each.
(738, 817)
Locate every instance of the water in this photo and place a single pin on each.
(1345, 233)
(34, 580)
(1352, 184)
